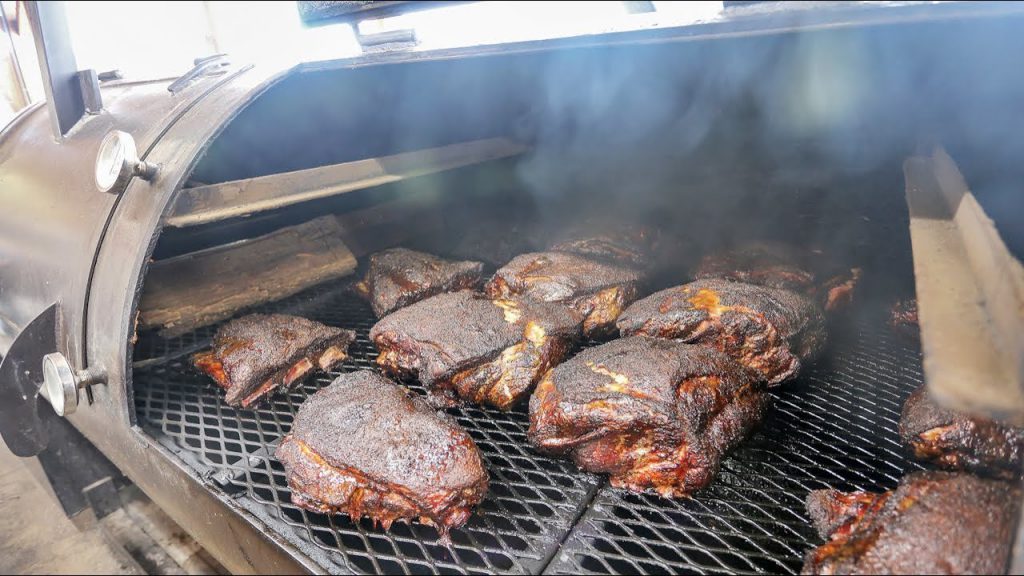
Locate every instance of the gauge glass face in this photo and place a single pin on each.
(51, 382)
(111, 159)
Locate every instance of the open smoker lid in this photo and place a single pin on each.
(747, 15)
(732, 17)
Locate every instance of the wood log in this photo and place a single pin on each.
(205, 287)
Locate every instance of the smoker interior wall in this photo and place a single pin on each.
(739, 134)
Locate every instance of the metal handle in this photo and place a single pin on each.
(202, 66)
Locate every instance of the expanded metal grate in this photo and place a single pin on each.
(528, 511)
(835, 426)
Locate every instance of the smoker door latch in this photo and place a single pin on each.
(61, 383)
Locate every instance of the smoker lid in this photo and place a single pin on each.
(744, 17)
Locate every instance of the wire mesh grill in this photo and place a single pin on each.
(529, 509)
(835, 426)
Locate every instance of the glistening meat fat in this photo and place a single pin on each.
(653, 414)
(768, 330)
(365, 446)
(465, 346)
(254, 355)
(903, 318)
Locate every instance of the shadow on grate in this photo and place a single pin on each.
(531, 505)
(836, 426)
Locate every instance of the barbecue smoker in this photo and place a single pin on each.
(853, 129)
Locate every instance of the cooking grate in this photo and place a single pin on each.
(835, 426)
(529, 509)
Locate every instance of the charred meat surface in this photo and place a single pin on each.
(768, 330)
(465, 346)
(778, 265)
(959, 441)
(616, 243)
(368, 447)
(763, 263)
(254, 355)
(399, 277)
(597, 290)
(654, 414)
(933, 523)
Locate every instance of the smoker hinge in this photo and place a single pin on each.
(384, 40)
(387, 41)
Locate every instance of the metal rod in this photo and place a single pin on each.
(26, 99)
(215, 202)
(57, 64)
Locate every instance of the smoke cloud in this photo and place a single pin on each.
(737, 138)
